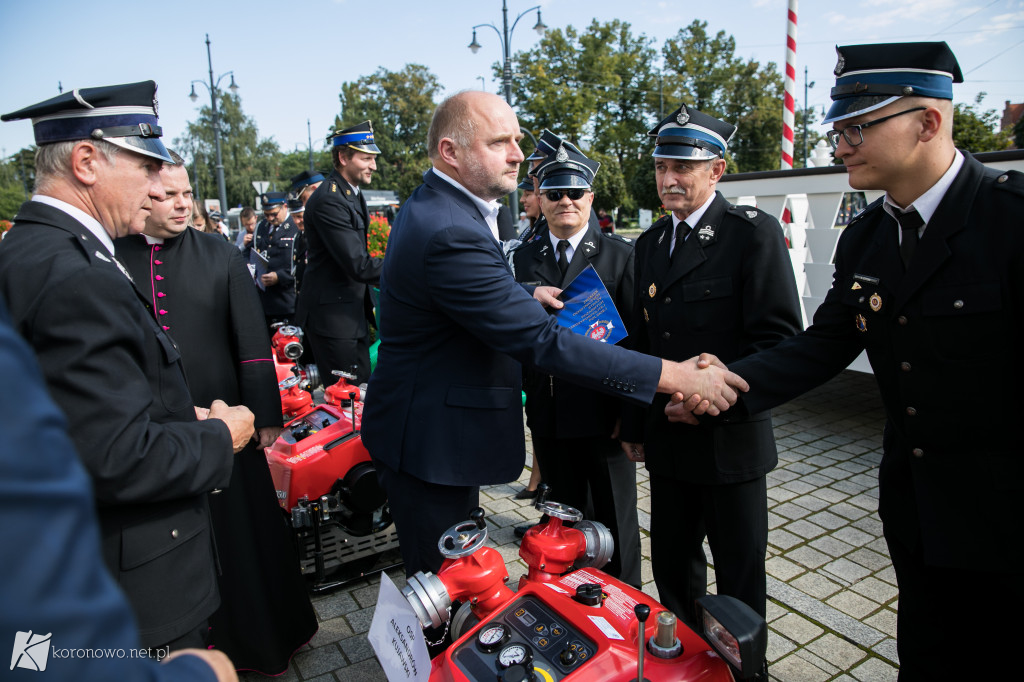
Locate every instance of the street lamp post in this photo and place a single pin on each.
(213, 88)
(505, 35)
(807, 109)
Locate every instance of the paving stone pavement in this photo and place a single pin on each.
(832, 598)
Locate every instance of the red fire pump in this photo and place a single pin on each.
(296, 382)
(327, 484)
(569, 620)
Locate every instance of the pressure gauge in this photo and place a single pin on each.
(492, 637)
(515, 654)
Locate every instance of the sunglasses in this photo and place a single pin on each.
(557, 194)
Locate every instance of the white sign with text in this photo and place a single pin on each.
(396, 636)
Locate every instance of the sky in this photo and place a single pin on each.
(289, 61)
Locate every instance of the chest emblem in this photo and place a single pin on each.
(856, 286)
(875, 302)
(652, 290)
(862, 323)
(647, 318)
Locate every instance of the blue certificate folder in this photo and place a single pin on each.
(589, 310)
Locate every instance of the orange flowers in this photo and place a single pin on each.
(377, 234)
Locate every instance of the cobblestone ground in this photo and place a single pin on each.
(831, 588)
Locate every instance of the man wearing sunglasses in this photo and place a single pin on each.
(274, 238)
(575, 430)
(930, 281)
(718, 278)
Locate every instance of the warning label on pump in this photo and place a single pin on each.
(616, 603)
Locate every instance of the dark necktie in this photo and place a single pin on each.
(563, 260)
(909, 223)
(682, 230)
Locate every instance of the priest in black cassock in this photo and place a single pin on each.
(204, 297)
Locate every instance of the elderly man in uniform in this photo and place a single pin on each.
(575, 430)
(274, 239)
(930, 282)
(109, 365)
(443, 413)
(717, 277)
(335, 308)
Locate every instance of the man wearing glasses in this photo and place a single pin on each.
(710, 277)
(930, 281)
(575, 430)
(274, 239)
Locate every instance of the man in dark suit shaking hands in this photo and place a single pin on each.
(443, 412)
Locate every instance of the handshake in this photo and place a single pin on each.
(702, 384)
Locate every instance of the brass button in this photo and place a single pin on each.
(917, 452)
(958, 304)
(902, 320)
(911, 412)
(174, 533)
(905, 366)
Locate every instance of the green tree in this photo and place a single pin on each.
(246, 156)
(609, 184)
(17, 180)
(400, 105)
(976, 131)
(703, 71)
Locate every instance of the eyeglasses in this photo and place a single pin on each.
(271, 212)
(854, 135)
(556, 194)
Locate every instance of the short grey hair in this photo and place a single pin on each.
(453, 119)
(54, 160)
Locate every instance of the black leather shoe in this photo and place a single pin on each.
(525, 494)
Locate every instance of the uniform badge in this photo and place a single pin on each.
(856, 286)
(661, 237)
(862, 323)
(841, 64)
(751, 214)
(647, 318)
(334, 187)
(706, 234)
(101, 257)
(600, 330)
(590, 245)
(561, 156)
(652, 290)
(683, 117)
(875, 302)
(156, 106)
(348, 192)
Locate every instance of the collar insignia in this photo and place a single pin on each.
(856, 286)
(751, 214)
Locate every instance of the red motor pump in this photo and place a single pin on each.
(327, 484)
(580, 624)
(286, 344)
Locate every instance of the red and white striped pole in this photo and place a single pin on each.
(789, 108)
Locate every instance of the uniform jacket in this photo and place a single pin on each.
(277, 244)
(444, 402)
(205, 298)
(53, 579)
(335, 299)
(729, 291)
(944, 340)
(118, 377)
(556, 408)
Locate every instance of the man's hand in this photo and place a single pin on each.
(247, 239)
(684, 410)
(634, 451)
(548, 297)
(269, 279)
(267, 435)
(201, 412)
(239, 421)
(715, 386)
(222, 666)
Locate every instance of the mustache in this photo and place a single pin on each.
(675, 190)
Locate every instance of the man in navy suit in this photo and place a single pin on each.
(443, 412)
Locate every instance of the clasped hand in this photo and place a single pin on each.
(701, 385)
